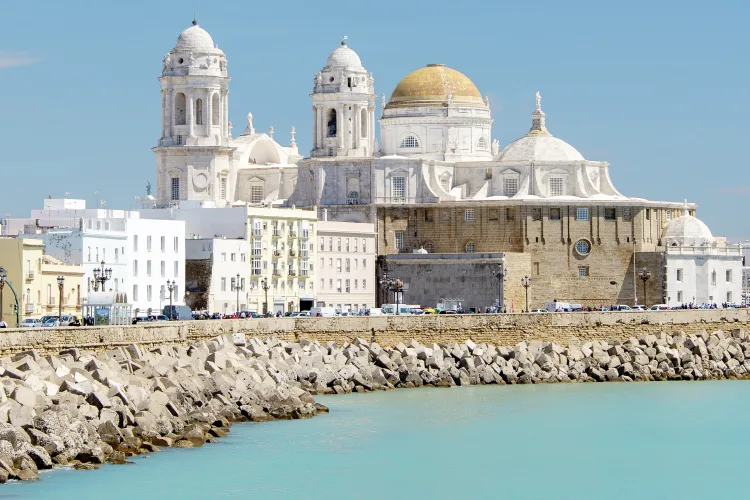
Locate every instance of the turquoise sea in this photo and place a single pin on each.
(579, 441)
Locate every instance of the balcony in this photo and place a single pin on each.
(292, 253)
(292, 272)
(276, 254)
(256, 272)
(292, 234)
(276, 274)
(257, 233)
(304, 254)
(29, 308)
(305, 234)
(276, 233)
(30, 275)
(304, 273)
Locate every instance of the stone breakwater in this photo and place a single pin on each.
(82, 409)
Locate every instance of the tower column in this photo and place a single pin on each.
(342, 126)
(355, 126)
(209, 113)
(190, 113)
(315, 127)
(168, 112)
(225, 121)
(163, 113)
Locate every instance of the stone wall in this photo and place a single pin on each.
(500, 330)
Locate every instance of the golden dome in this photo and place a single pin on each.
(432, 85)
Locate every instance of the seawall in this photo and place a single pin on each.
(388, 331)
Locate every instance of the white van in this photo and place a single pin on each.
(326, 312)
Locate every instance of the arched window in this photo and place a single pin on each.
(179, 109)
(445, 183)
(332, 123)
(470, 247)
(429, 246)
(199, 111)
(482, 143)
(410, 141)
(215, 109)
(363, 121)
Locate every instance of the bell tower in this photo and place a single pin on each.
(343, 107)
(196, 134)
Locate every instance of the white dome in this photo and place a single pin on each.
(194, 38)
(687, 231)
(343, 57)
(539, 147)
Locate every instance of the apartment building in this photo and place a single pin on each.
(346, 265)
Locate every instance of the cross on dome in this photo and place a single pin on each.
(538, 118)
(343, 40)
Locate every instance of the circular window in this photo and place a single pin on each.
(180, 60)
(331, 79)
(583, 247)
(470, 247)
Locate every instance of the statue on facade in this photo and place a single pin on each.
(249, 130)
(166, 63)
(538, 101)
(191, 61)
(293, 143)
(148, 188)
(382, 102)
(270, 131)
(487, 101)
(495, 147)
(318, 78)
(221, 64)
(450, 98)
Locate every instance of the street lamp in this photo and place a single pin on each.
(170, 287)
(265, 287)
(101, 276)
(391, 284)
(500, 274)
(644, 274)
(237, 287)
(60, 284)
(3, 275)
(526, 283)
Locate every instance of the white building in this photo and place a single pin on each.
(281, 248)
(346, 265)
(217, 274)
(700, 269)
(143, 254)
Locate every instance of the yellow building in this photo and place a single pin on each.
(72, 283)
(282, 242)
(22, 261)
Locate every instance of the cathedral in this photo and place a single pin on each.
(436, 181)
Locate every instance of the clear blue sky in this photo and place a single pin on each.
(656, 88)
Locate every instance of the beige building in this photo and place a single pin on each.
(282, 252)
(346, 259)
(22, 261)
(71, 296)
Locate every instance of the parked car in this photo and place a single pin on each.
(216, 316)
(31, 323)
(621, 307)
(158, 317)
(539, 311)
(638, 308)
(303, 314)
(52, 322)
(178, 313)
(659, 307)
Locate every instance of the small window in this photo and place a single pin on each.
(398, 188)
(679, 297)
(582, 214)
(583, 271)
(556, 186)
(536, 268)
(175, 188)
(510, 214)
(399, 240)
(554, 214)
(609, 214)
(428, 215)
(668, 214)
(679, 275)
(469, 215)
(729, 275)
(494, 215)
(648, 214)
(583, 247)
(627, 214)
(729, 297)
(470, 247)
(536, 214)
(482, 143)
(410, 141)
(445, 183)
(510, 186)
(428, 246)
(256, 193)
